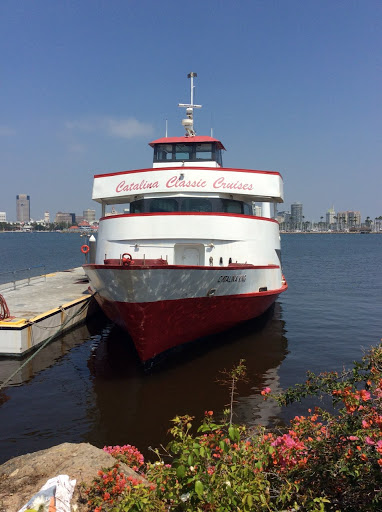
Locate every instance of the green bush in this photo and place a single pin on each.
(324, 461)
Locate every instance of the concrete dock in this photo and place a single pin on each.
(42, 308)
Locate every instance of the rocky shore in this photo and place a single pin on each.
(23, 476)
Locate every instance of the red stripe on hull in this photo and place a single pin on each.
(187, 214)
(159, 326)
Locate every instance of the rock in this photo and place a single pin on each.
(22, 477)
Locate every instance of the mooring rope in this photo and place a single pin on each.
(44, 344)
(4, 311)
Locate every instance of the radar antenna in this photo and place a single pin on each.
(189, 122)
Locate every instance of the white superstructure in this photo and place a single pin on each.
(191, 233)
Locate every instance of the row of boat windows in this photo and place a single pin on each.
(191, 152)
(190, 204)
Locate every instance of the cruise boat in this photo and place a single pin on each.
(190, 248)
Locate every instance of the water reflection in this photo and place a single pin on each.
(89, 386)
(26, 368)
(50, 400)
(136, 407)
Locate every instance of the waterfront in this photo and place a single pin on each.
(89, 385)
(55, 250)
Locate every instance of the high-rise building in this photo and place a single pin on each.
(3, 217)
(46, 218)
(349, 219)
(283, 218)
(64, 218)
(296, 215)
(330, 214)
(23, 208)
(89, 215)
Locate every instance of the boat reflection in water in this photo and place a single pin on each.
(90, 386)
(136, 407)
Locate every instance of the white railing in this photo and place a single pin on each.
(13, 279)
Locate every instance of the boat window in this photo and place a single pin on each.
(164, 204)
(218, 156)
(137, 206)
(196, 204)
(190, 151)
(231, 206)
(247, 209)
(190, 204)
(183, 151)
(203, 152)
(164, 152)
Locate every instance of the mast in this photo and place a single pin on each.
(189, 122)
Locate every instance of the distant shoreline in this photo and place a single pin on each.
(330, 233)
(281, 232)
(29, 232)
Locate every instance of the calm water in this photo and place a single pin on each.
(89, 385)
(57, 251)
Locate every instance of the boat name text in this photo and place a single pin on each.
(143, 185)
(231, 185)
(232, 279)
(175, 182)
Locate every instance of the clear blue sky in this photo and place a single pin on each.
(289, 85)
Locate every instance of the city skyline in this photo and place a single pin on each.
(297, 91)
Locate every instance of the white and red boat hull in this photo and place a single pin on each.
(165, 306)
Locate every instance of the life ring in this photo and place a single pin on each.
(85, 249)
(127, 259)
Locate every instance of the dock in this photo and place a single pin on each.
(41, 309)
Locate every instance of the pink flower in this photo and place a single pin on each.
(266, 391)
(353, 438)
(363, 394)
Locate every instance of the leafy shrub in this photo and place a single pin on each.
(127, 454)
(112, 491)
(325, 461)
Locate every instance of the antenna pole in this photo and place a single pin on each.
(191, 75)
(189, 122)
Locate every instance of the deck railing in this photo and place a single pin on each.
(13, 279)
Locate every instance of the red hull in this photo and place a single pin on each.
(159, 326)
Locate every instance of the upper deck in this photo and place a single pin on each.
(122, 187)
(187, 151)
(188, 165)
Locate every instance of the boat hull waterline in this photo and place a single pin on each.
(191, 302)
